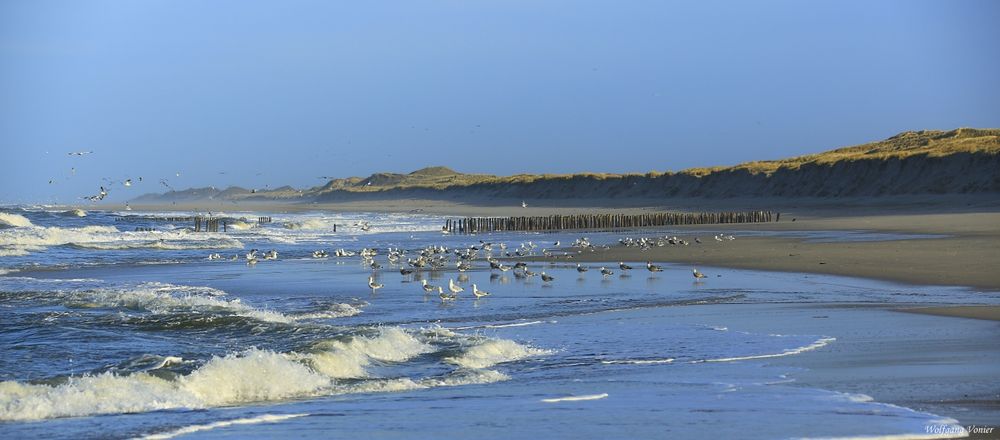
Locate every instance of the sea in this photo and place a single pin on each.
(121, 324)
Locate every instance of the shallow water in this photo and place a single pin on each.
(111, 333)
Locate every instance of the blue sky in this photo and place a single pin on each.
(274, 93)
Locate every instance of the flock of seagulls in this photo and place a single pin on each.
(437, 258)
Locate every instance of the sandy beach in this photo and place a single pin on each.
(962, 252)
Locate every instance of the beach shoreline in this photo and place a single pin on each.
(961, 249)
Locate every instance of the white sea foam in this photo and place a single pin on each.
(74, 213)
(466, 377)
(252, 376)
(266, 418)
(349, 359)
(333, 311)
(820, 343)
(22, 240)
(576, 398)
(638, 361)
(513, 324)
(11, 220)
(163, 298)
(494, 351)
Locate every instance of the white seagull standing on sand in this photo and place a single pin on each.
(524, 204)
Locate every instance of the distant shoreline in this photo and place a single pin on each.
(967, 255)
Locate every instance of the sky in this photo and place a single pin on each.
(268, 93)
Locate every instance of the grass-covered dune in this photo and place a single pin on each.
(961, 161)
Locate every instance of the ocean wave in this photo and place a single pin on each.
(73, 213)
(10, 220)
(164, 298)
(254, 375)
(494, 351)
(638, 361)
(266, 418)
(819, 343)
(30, 238)
(251, 376)
(350, 359)
(331, 311)
(576, 398)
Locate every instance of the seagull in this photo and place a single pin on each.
(624, 266)
(547, 278)
(375, 265)
(79, 153)
(698, 275)
(405, 271)
(427, 287)
(454, 288)
(479, 293)
(373, 285)
(606, 272)
(444, 296)
(524, 204)
(128, 182)
(580, 268)
(653, 268)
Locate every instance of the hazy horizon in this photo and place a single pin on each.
(257, 95)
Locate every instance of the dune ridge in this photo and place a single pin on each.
(960, 161)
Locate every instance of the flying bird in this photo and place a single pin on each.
(79, 153)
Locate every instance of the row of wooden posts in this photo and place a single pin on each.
(470, 225)
(210, 224)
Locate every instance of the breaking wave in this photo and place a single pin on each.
(494, 351)
(29, 238)
(254, 375)
(9, 220)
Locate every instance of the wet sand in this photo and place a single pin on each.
(968, 256)
(928, 363)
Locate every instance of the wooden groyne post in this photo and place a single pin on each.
(470, 225)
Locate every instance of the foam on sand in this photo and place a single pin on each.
(266, 418)
(494, 351)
